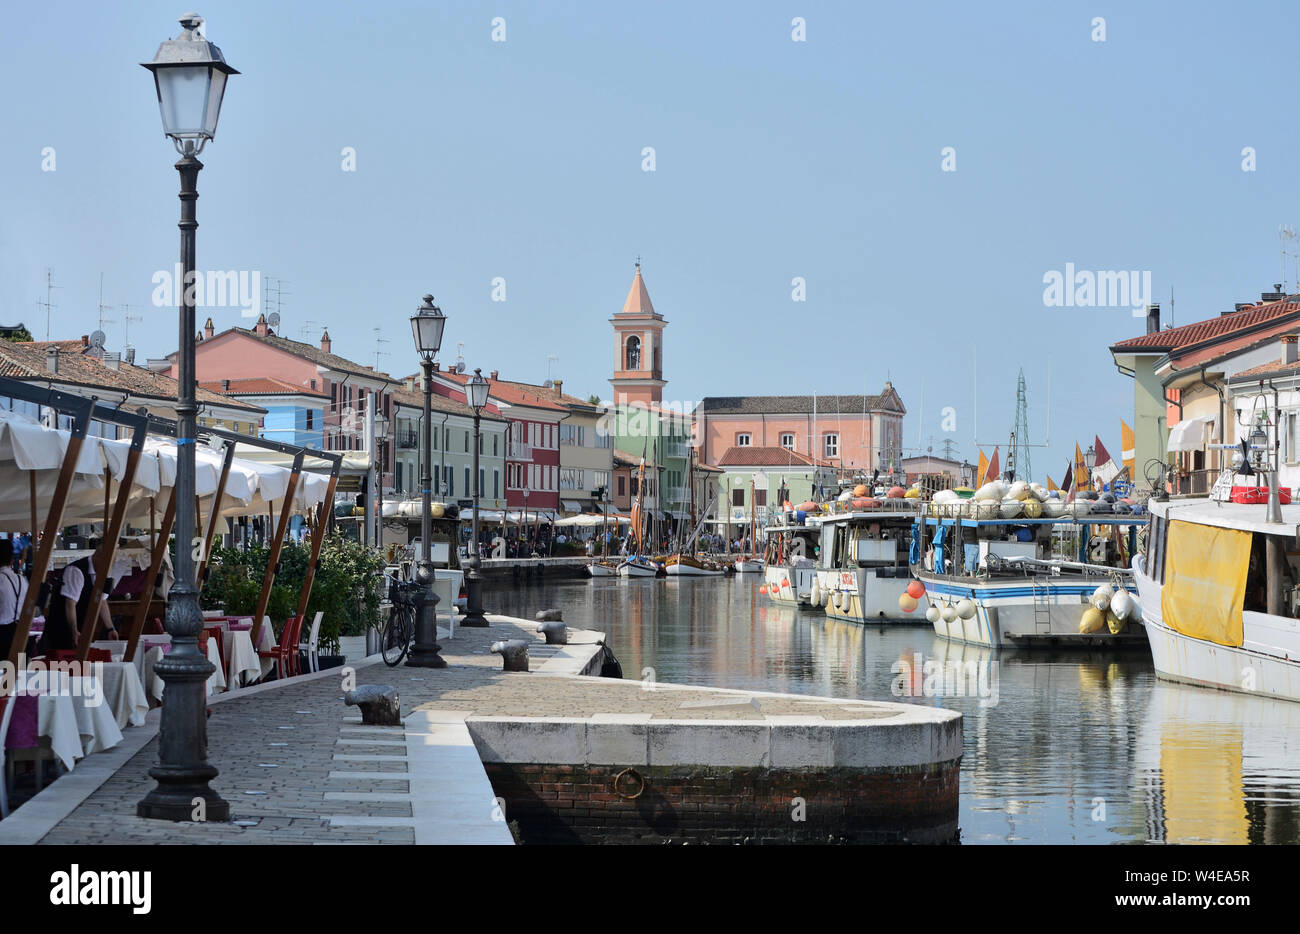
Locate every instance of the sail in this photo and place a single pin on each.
(1128, 448)
(1106, 469)
(1080, 468)
(993, 467)
(981, 477)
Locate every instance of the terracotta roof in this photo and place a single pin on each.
(308, 351)
(26, 360)
(260, 386)
(638, 299)
(1188, 335)
(763, 457)
(509, 392)
(624, 459)
(415, 400)
(886, 400)
(1276, 368)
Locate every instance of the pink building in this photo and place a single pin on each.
(852, 434)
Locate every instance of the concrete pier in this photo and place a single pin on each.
(549, 755)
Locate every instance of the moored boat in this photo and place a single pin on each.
(682, 565)
(790, 566)
(638, 566)
(602, 569)
(862, 562)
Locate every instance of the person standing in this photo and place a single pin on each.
(70, 606)
(13, 590)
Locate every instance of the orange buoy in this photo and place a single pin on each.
(907, 603)
(763, 589)
(785, 584)
(860, 490)
(916, 589)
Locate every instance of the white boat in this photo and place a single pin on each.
(862, 563)
(1005, 582)
(638, 566)
(789, 563)
(598, 569)
(683, 565)
(1205, 590)
(749, 565)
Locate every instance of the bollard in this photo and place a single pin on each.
(548, 616)
(379, 703)
(514, 654)
(556, 633)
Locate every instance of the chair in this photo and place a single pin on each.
(285, 654)
(312, 646)
(26, 745)
(99, 655)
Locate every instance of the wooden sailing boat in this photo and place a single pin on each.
(686, 563)
(638, 565)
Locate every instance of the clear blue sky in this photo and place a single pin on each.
(774, 159)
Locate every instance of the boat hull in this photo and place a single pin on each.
(601, 570)
(678, 568)
(1022, 612)
(866, 596)
(748, 566)
(790, 585)
(637, 569)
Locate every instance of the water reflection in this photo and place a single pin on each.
(1059, 747)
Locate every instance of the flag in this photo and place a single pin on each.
(993, 466)
(1128, 448)
(983, 470)
(1051, 484)
(1106, 469)
(1080, 468)
(1103, 456)
(1069, 478)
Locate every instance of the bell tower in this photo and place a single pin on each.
(638, 348)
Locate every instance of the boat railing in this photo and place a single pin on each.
(1052, 566)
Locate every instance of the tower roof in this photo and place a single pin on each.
(638, 299)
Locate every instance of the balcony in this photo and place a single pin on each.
(519, 452)
(406, 439)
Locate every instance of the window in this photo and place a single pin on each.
(495, 439)
(397, 477)
(310, 413)
(622, 486)
(600, 478)
(831, 445)
(742, 440)
(482, 481)
(603, 439)
(760, 497)
(787, 441)
(633, 353)
(449, 481)
(480, 443)
(467, 486)
(572, 478)
(737, 497)
(467, 441)
(496, 484)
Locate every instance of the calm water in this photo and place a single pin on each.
(1059, 748)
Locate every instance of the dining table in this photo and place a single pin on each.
(123, 687)
(151, 648)
(243, 664)
(71, 713)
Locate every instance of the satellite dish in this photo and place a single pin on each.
(549, 384)
(460, 366)
(97, 340)
(273, 319)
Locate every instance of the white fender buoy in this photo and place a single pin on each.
(932, 614)
(816, 595)
(1101, 597)
(949, 613)
(966, 609)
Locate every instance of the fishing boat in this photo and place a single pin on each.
(639, 566)
(862, 563)
(686, 562)
(790, 557)
(1218, 590)
(1029, 582)
(685, 565)
(602, 569)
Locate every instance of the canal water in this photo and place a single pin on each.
(1059, 747)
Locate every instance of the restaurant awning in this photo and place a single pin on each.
(1190, 434)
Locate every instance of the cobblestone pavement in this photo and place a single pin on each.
(277, 750)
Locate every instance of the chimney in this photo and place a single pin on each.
(260, 328)
(1153, 319)
(52, 359)
(113, 361)
(1275, 296)
(325, 343)
(208, 329)
(436, 366)
(85, 340)
(1289, 354)
(225, 385)
(559, 386)
(493, 375)
(129, 355)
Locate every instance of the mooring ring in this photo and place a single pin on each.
(619, 777)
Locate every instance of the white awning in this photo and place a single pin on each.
(1190, 434)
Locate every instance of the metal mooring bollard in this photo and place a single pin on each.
(556, 633)
(549, 616)
(514, 654)
(379, 703)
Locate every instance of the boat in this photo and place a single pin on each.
(862, 564)
(1029, 582)
(751, 563)
(602, 569)
(790, 565)
(639, 566)
(686, 562)
(684, 565)
(1218, 594)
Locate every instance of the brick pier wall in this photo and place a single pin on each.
(729, 805)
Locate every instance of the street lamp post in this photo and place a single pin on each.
(1090, 461)
(427, 325)
(476, 393)
(528, 524)
(190, 79)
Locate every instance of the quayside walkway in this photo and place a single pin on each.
(552, 754)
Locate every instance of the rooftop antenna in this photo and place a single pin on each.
(49, 289)
(307, 327)
(127, 318)
(102, 307)
(551, 359)
(379, 351)
(460, 357)
(1287, 235)
(273, 290)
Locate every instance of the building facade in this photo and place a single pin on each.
(764, 478)
(452, 448)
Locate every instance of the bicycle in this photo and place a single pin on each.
(396, 638)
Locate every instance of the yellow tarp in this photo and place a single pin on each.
(1205, 581)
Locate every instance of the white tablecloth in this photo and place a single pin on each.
(124, 693)
(154, 683)
(243, 666)
(72, 713)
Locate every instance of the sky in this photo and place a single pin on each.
(774, 160)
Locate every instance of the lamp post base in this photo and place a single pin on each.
(425, 657)
(184, 797)
(474, 617)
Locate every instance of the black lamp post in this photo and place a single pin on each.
(427, 325)
(1090, 461)
(476, 393)
(190, 78)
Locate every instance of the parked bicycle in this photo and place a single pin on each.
(399, 632)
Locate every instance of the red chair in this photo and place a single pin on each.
(218, 633)
(286, 653)
(99, 655)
